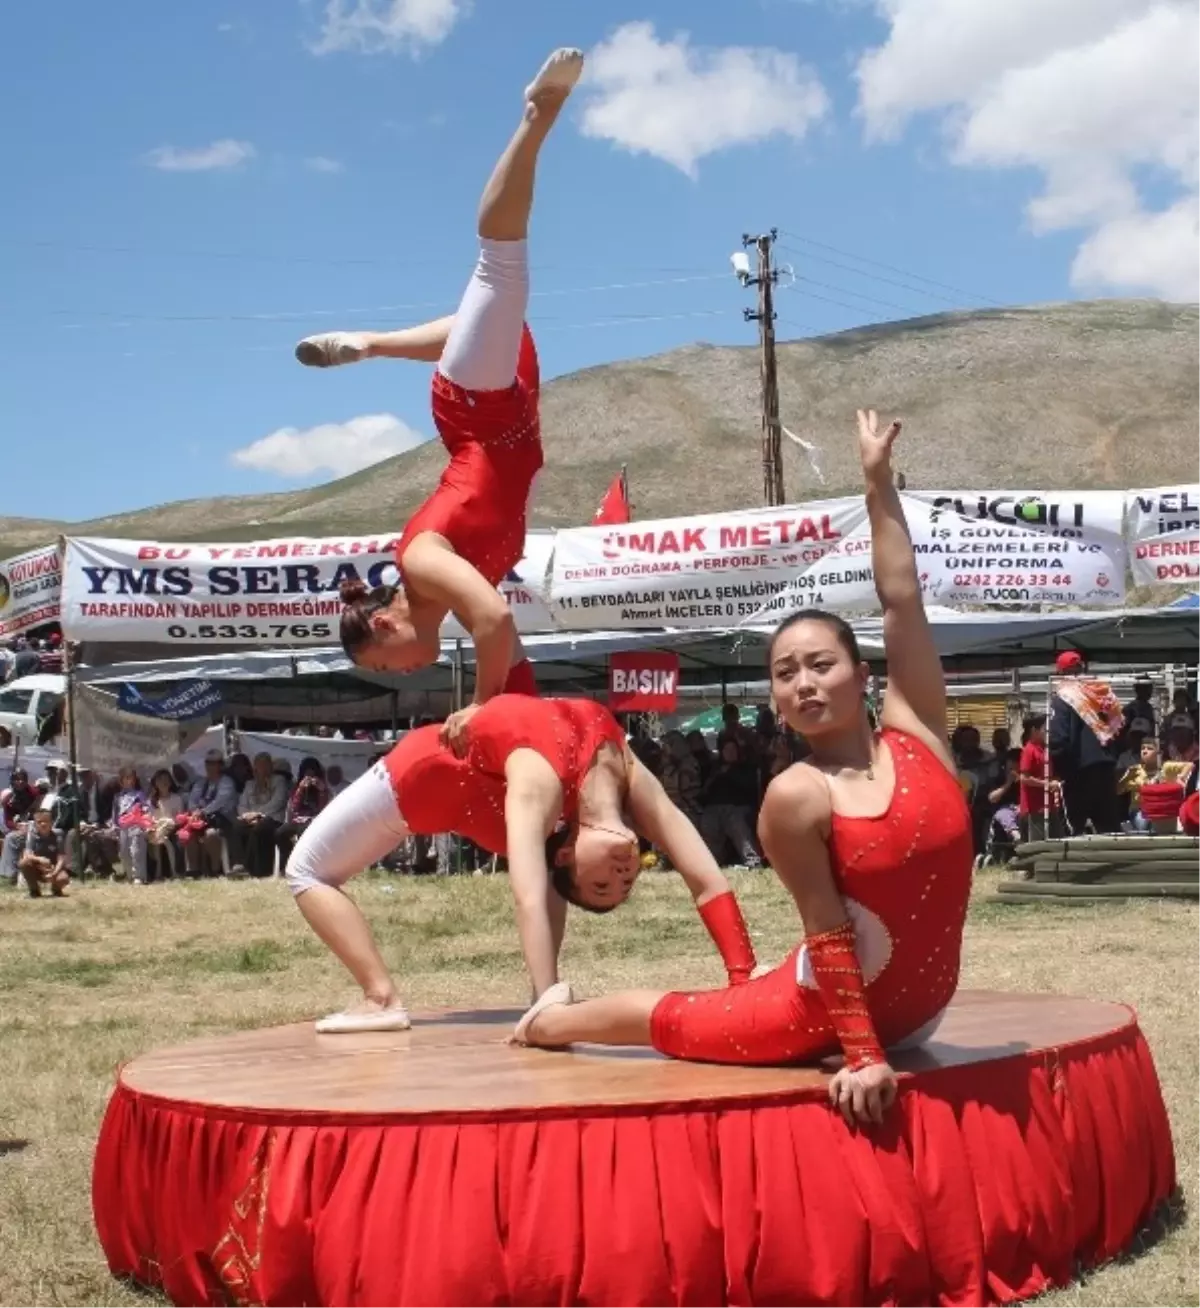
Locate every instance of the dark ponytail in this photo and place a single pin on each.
(361, 605)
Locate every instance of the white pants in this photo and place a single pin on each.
(350, 834)
(485, 341)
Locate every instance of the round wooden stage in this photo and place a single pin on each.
(443, 1165)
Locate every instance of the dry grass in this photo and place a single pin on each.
(1091, 394)
(113, 970)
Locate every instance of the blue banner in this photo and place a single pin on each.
(190, 699)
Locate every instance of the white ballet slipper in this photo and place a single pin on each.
(378, 1019)
(331, 349)
(559, 993)
(559, 73)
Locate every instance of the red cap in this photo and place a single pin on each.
(1070, 660)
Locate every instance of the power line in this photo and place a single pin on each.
(887, 267)
(874, 277)
(301, 315)
(258, 256)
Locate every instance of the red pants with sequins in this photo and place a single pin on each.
(772, 1019)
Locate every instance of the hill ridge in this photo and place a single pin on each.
(1069, 395)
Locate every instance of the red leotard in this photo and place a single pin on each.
(905, 877)
(437, 792)
(495, 446)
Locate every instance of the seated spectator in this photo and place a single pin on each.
(240, 770)
(1181, 743)
(1150, 770)
(308, 798)
(681, 775)
(166, 804)
(335, 779)
(20, 802)
(262, 808)
(132, 820)
(1004, 800)
(1182, 713)
(208, 818)
(728, 803)
(702, 754)
(1139, 712)
(44, 858)
(732, 730)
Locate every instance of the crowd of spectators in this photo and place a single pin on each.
(240, 817)
(1082, 769)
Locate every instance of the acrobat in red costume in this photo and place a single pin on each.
(872, 838)
(470, 533)
(551, 784)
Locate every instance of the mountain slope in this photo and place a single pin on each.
(1089, 395)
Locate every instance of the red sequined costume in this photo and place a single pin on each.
(437, 792)
(905, 877)
(480, 502)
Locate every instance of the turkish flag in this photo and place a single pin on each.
(643, 681)
(614, 507)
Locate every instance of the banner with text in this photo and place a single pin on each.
(30, 590)
(643, 681)
(735, 569)
(108, 739)
(1164, 535)
(276, 592)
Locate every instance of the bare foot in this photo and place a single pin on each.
(331, 349)
(557, 77)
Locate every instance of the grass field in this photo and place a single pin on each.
(111, 971)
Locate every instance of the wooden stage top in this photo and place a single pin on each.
(459, 1062)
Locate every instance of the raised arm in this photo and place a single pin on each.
(916, 691)
(657, 818)
(444, 578)
(532, 804)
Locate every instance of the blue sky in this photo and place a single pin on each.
(197, 186)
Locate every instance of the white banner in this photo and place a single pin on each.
(714, 570)
(352, 756)
(30, 590)
(107, 739)
(277, 592)
(1164, 535)
(736, 569)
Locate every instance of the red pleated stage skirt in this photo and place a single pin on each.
(989, 1183)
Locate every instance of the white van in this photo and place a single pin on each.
(30, 700)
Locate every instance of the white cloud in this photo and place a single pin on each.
(1099, 96)
(320, 163)
(386, 26)
(202, 159)
(336, 447)
(679, 102)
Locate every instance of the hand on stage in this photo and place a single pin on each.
(874, 446)
(863, 1096)
(454, 729)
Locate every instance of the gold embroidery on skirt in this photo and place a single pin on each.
(238, 1253)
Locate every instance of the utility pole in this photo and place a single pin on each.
(772, 444)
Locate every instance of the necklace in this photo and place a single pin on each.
(871, 770)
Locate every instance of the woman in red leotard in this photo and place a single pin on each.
(872, 837)
(549, 783)
(462, 542)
